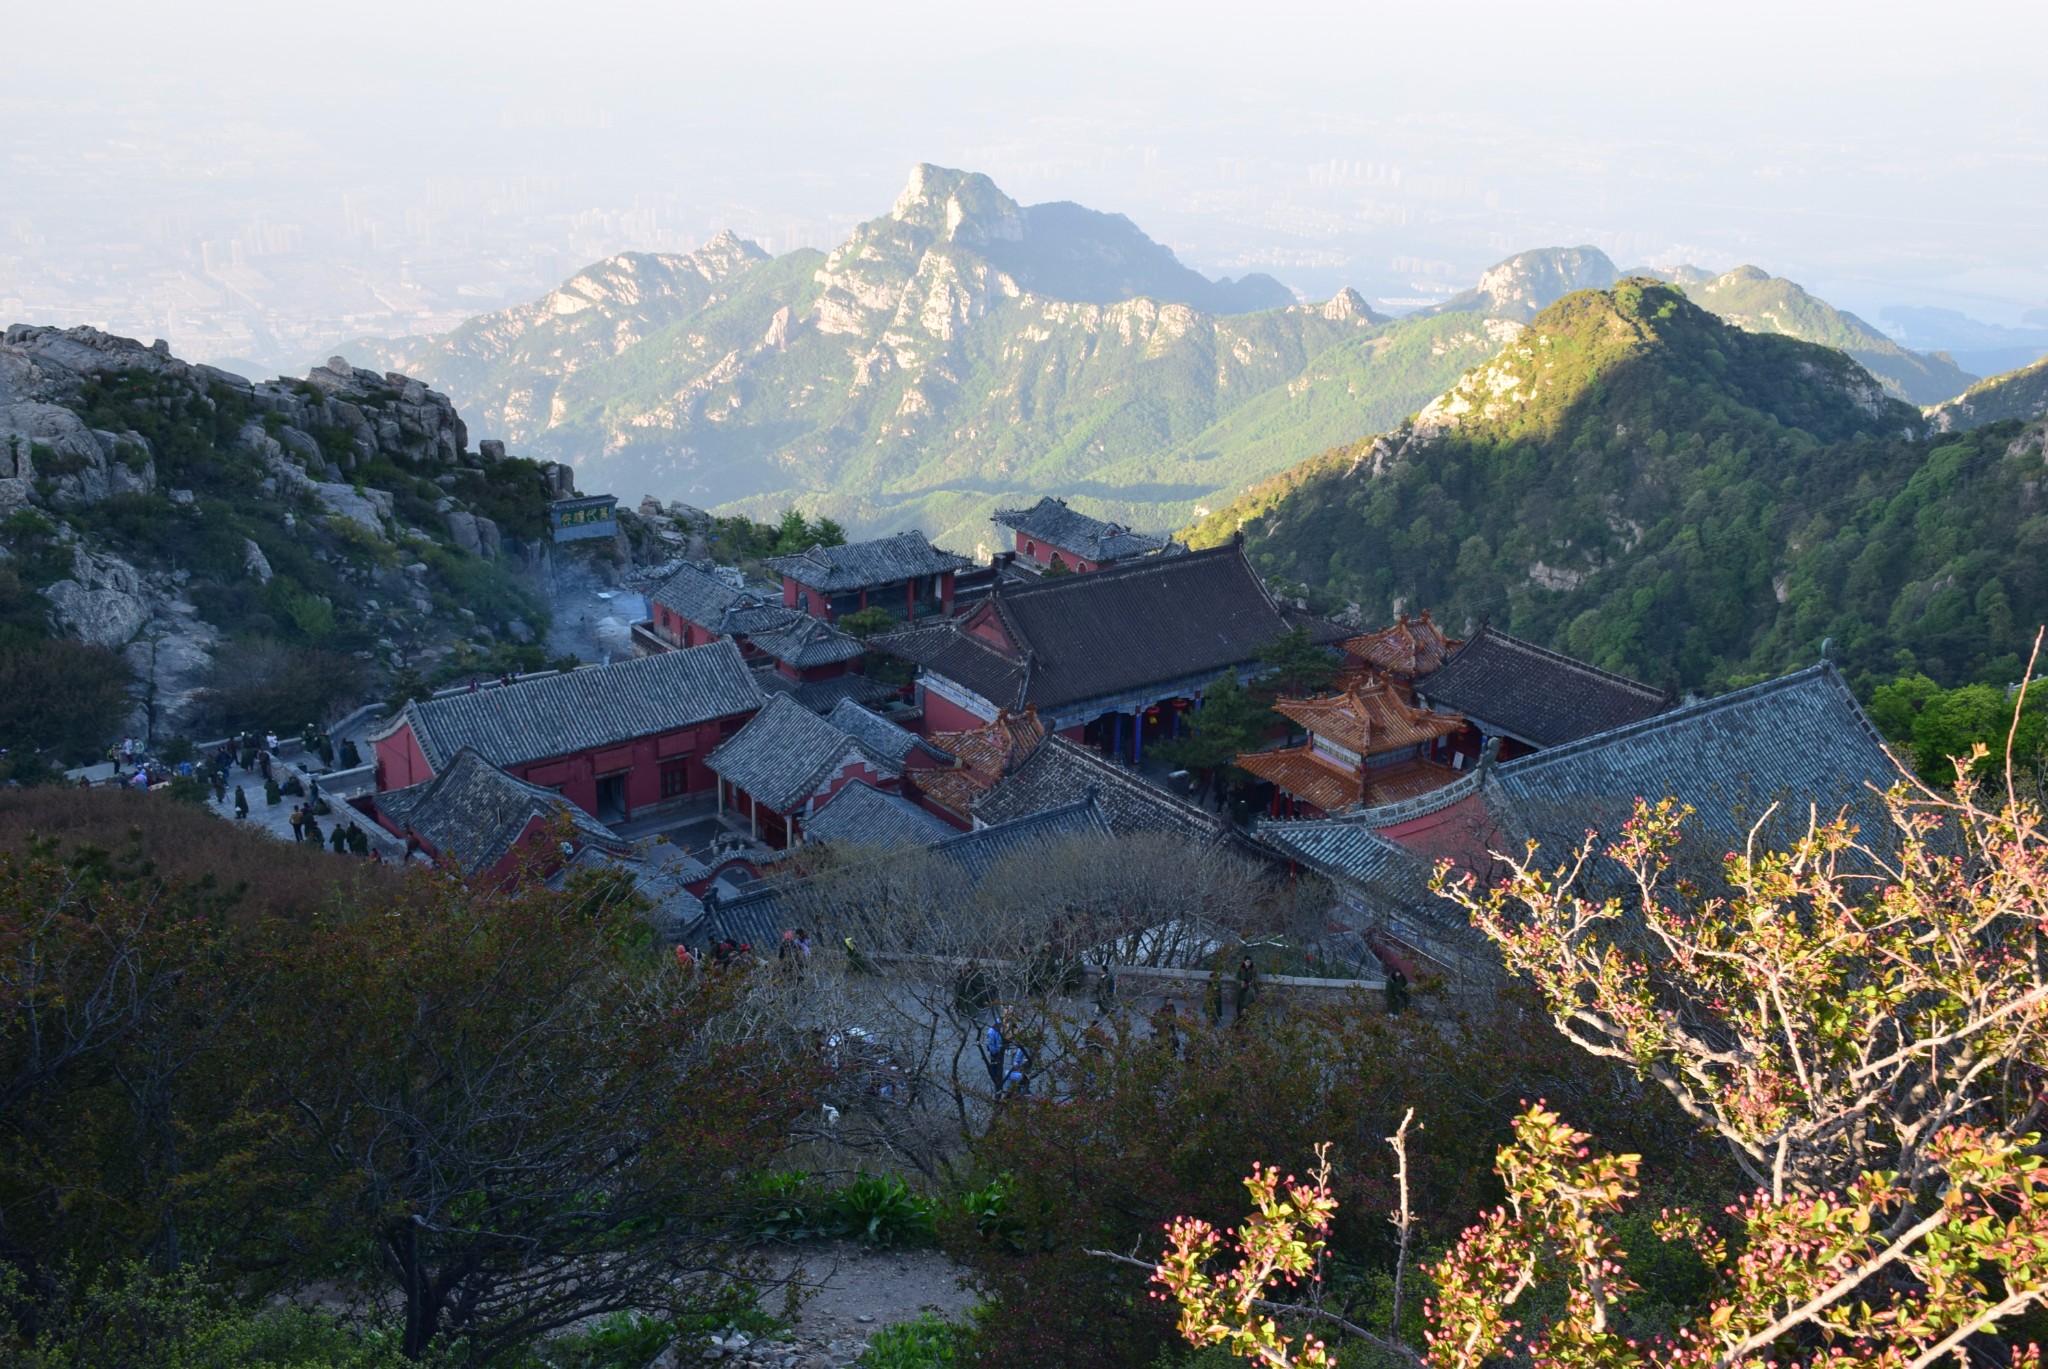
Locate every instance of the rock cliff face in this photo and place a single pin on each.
(172, 512)
(1527, 283)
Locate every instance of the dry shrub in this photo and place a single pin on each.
(181, 842)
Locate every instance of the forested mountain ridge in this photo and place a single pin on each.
(1658, 492)
(1752, 298)
(963, 352)
(2021, 394)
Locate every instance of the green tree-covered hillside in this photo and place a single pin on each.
(1762, 303)
(1644, 486)
(2021, 394)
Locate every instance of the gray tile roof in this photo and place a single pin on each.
(1059, 770)
(1050, 521)
(1533, 694)
(981, 850)
(472, 812)
(1352, 852)
(881, 736)
(1797, 741)
(670, 905)
(822, 696)
(994, 674)
(760, 915)
(759, 615)
(785, 752)
(703, 597)
(1082, 638)
(862, 815)
(795, 637)
(582, 709)
(864, 565)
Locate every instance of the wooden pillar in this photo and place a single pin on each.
(1137, 736)
(910, 600)
(1116, 745)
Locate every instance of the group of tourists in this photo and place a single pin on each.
(349, 839)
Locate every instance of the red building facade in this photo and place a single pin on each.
(613, 740)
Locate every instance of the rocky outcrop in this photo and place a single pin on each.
(278, 464)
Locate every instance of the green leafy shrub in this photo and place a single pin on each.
(880, 1209)
(927, 1343)
(184, 1321)
(790, 1206)
(624, 1340)
(875, 1209)
(986, 1208)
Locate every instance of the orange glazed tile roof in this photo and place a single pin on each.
(1306, 775)
(1393, 783)
(1412, 646)
(985, 753)
(1301, 772)
(1369, 718)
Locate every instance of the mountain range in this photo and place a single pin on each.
(963, 352)
(1649, 487)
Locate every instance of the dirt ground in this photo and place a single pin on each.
(853, 1292)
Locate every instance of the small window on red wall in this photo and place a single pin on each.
(675, 778)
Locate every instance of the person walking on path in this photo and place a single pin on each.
(358, 840)
(1247, 987)
(993, 1046)
(220, 786)
(298, 821)
(312, 829)
(339, 839)
(241, 803)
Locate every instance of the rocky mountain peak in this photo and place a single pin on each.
(725, 254)
(1348, 304)
(962, 206)
(1529, 282)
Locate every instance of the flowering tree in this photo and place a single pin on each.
(1833, 1008)
(1819, 1272)
(1861, 1022)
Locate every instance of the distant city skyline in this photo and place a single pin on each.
(262, 185)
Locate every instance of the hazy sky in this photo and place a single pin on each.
(1883, 153)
